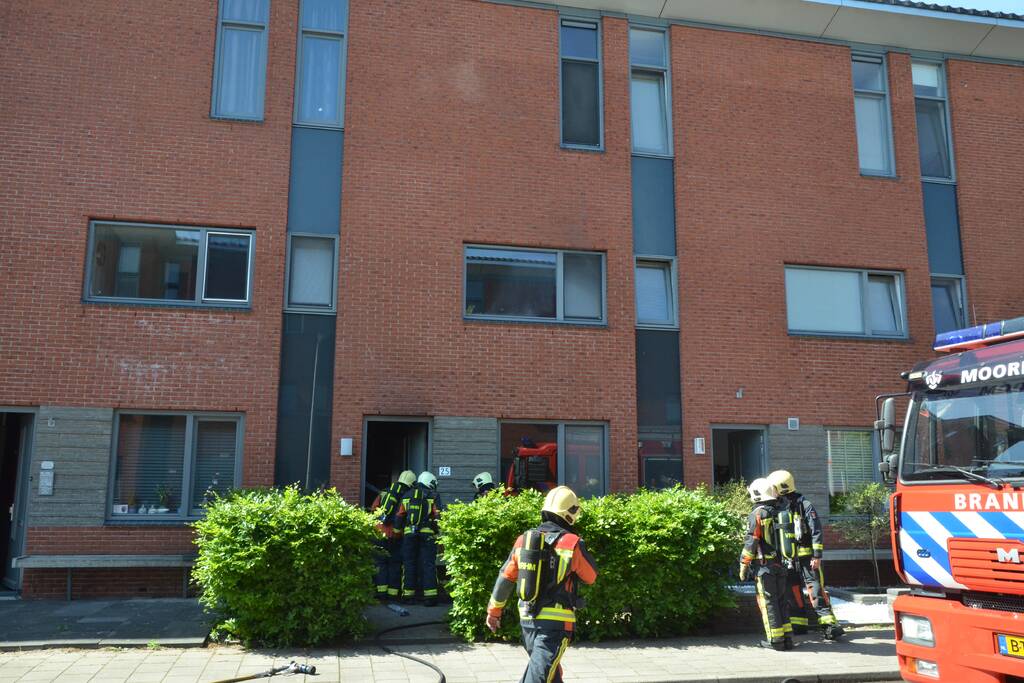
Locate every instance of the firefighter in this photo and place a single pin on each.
(544, 568)
(762, 547)
(484, 484)
(389, 561)
(807, 574)
(417, 519)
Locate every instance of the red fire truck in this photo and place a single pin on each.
(957, 514)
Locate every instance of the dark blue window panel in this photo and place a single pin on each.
(314, 190)
(654, 215)
(306, 340)
(943, 228)
(658, 391)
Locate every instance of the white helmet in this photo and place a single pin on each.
(429, 480)
(482, 479)
(762, 490)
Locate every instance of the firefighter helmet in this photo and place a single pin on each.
(483, 479)
(762, 490)
(428, 480)
(783, 481)
(562, 502)
(408, 478)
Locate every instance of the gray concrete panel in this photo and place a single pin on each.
(804, 452)
(467, 445)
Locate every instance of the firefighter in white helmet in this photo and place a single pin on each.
(544, 568)
(762, 548)
(806, 572)
(484, 484)
(417, 518)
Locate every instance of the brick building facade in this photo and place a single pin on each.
(177, 178)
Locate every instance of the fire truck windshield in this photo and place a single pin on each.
(954, 434)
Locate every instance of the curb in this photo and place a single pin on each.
(96, 643)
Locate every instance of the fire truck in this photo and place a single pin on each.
(957, 515)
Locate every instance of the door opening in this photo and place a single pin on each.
(15, 433)
(738, 453)
(391, 447)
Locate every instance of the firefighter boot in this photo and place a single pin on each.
(833, 632)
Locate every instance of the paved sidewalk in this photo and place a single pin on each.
(862, 656)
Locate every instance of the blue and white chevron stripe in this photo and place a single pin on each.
(923, 538)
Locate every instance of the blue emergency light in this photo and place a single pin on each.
(980, 335)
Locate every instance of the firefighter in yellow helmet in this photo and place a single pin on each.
(389, 560)
(544, 568)
(763, 549)
(417, 518)
(806, 573)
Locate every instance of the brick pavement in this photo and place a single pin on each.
(863, 656)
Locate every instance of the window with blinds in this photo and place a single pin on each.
(167, 465)
(851, 462)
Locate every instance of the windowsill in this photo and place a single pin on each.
(938, 181)
(534, 321)
(241, 308)
(880, 176)
(319, 126)
(149, 520)
(581, 148)
(653, 155)
(311, 311)
(847, 337)
(236, 119)
(655, 326)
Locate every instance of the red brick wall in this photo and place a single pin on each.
(51, 584)
(106, 115)
(452, 136)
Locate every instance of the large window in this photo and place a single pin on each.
(832, 301)
(581, 83)
(871, 110)
(240, 62)
(655, 293)
(167, 465)
(933, 141)
(312, 275)
(320, 85)
(948, 303)
(170, 264)
(531, 284)
(851, 462)
(546, 454)
(648, 57)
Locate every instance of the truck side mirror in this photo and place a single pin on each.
(887, 425)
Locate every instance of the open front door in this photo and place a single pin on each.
(15, 442)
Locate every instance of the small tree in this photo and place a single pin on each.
(868, 524)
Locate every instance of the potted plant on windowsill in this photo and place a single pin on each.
(133, 504)
(164, 494)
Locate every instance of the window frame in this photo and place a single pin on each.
(559, 318)
(876, 457)
(883, 95)
(200, 300)
(329, 34)
(961, 284)
(943, 97)
(594, 21)
(560, 437)
(668, 265)
(188, 464)
(264, 29)
(308, 308)
(664, 72)
(864, 274)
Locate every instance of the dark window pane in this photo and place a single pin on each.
(579, 42)
(883, 305)
(868, 76)
(214, 468)
(932, 143)
(662, 473)
(540, 440)
(227, 267)
(582, 286)
(510, 282)
(150, 458)
(138, 262)
(584, 460)
(581, 124)
(946, 306)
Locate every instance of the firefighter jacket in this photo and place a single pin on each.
(419, 511)
(810, 534)
(555, 607)
(762, 541)
(385, 508)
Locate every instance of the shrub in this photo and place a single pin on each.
(282, 568)
(734, 496)
(662, 556)
(868, 505)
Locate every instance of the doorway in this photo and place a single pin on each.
(391, 446)
(15, 444)
(739, 453)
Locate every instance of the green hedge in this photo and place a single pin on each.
(663, 559)
(282, 568)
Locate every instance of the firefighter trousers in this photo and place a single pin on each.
(389, 567)
(771, 600)
(545, 647)
(807, 595)
(419, 557)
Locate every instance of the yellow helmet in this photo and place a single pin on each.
(562, 502)
(783, 481)
(482, 479)
(762, 490)
(408, 478)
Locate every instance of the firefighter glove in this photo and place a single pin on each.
(744, 571)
